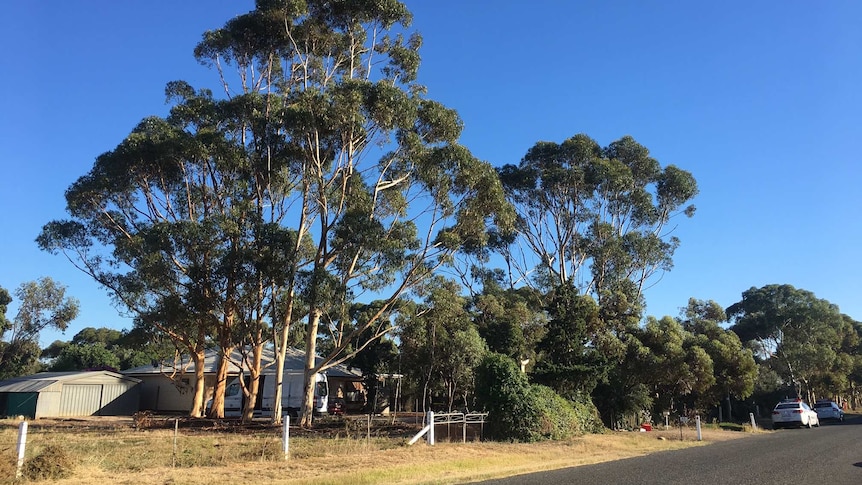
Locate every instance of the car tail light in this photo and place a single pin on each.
(797, 411)
(775, 412)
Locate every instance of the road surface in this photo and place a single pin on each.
(831, 454)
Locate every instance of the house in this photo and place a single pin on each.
(70, 394)
(168, 387)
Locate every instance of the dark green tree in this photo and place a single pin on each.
(570, 362)
(82, 357)
(512, 321)
(796, 333)
(106, 348)
(734, 367)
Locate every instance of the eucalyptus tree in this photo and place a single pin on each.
(676, 367)
(592, 216)
(440, 346)
(383, 188)
(733, 364)
(798, 334)
(322, 152)
(41, 304)
(165, 222)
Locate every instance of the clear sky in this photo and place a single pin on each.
(759, 100)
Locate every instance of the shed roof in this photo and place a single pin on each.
(294, 361)
(44, 380)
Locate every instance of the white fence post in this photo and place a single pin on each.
(285, 436)
(697, 425)
(753, 421)
(431, 428)
(22, 444)
(176, 432)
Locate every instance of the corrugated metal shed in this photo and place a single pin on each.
(69, 394)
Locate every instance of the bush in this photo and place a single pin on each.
(557, 419)
(519, 411)
(502, 389)
(51, 463)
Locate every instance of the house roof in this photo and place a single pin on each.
(294, 361)
(44, 380)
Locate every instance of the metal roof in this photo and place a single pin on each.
(44, 380)
(294, 361)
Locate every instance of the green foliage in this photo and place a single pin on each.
(95, 348)
(5, 300)
(87, 356)
(594, 215)
(734, 367)
(42, 304)
(804, 339)
(440, 345)
(519, 411)
(511, 321)
(52, 463)
(569, 361)
(504, 392)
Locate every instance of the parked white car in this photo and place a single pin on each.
(828, 410)
(794, 412)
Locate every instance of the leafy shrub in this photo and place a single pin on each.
(51, 463)
(557, 419)
(503, 390)
(519, 411)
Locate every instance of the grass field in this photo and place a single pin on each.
(113, 451)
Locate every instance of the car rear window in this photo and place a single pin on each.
(823, 405)
(788, 406)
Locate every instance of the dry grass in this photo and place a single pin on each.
(122, 455)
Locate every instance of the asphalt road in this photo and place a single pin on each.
(831, 454)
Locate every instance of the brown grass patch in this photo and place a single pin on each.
(120, 454)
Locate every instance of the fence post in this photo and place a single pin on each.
(22, 444)
(464, 439)
(176, 431)
(285, 436)
(431, 429)
(753, 421)
(697, 425)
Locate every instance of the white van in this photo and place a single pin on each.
(291, 398)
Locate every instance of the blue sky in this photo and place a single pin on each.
(759, 100)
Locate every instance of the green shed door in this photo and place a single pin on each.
(21, 404)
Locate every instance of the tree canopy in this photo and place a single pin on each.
(41, 304)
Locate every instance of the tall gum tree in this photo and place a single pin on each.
(385, 191)
(178, 222)
(322, 141)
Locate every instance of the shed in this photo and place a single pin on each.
(69, 394)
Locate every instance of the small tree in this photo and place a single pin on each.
(43, 304)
